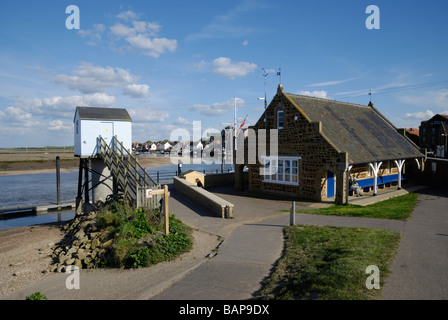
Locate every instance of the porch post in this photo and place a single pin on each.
(418, 163)
(375, 167)
(399, 164)
(348, 184)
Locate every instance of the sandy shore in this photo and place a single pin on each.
(36, 163)
(25, 256)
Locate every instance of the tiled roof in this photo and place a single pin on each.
(94, 113)
(361, 131)
(413, 131)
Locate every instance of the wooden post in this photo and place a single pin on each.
(167, 212)
(86, 181)
(79, 196)
(58, 181)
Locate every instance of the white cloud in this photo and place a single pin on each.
(148, 115)
(95, 34)
(438, 99)
(182, 121)
(199, 65)
(217, 108)
(120, 30)
(151, 28)
(225, 67)
(59, 125)
(136, 90)
(131, 34)
(152, 47)
(317, 94)
(88, 78)
(127, 15)
(331, 83)
(419, 115)
(139, 36)
(59, 107)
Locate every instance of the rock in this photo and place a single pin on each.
(108, 243)
(95, 243)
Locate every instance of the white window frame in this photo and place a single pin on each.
(287, 169)
(278, 118)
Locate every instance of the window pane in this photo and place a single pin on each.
(287, 166)
(287, 177)
(294, 178)
(274, 167)
(294, 170)
(280, 118)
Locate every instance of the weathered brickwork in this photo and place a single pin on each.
(302, 137)
(298, 137)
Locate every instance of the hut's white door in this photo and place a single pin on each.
(107, 131)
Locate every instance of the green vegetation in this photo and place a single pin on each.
(398, 208)
(138, 239)
(329, 263)
(37, 296)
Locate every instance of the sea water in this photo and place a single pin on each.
(34, 189)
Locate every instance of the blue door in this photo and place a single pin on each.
(330, 184)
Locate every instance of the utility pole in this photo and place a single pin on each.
(265, 74)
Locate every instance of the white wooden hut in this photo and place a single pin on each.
(91, 122)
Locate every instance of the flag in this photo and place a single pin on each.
(242, 124)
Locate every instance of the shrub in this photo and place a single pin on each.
(37, 296)
(138, 237)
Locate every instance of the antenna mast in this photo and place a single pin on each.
(265, 74)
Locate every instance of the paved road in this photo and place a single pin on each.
(253, 242)
(419, 270)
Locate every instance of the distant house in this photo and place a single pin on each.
(92, 122)
(320, 144)
(153, 147)
(162, 147)
(413, 135)
(434, 135)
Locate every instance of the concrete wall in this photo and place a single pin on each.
(203, 197)
(222, 179)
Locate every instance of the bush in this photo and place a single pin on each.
(37, 296)
(138, 239)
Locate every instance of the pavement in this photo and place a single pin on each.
(241, 252)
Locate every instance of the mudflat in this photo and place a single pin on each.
(13, 163)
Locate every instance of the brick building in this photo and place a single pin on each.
(321, 142)
(434, 135)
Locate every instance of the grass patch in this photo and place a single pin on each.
(138, 238)
(399, 208)
(329, 263)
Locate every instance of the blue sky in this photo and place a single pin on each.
(170, 63)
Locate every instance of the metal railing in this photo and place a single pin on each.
(129, 175)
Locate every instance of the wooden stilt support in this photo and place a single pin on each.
(78, 208)
(86, 181)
